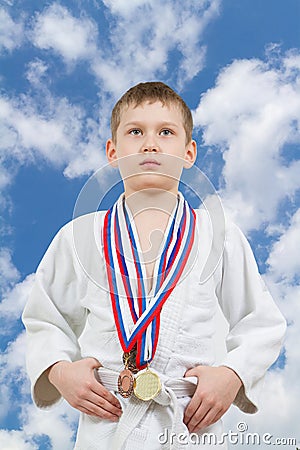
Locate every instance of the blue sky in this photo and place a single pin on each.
(63, 64)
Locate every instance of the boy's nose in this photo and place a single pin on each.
(150, 148)
(149, 143)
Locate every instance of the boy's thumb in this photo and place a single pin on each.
(192, 372)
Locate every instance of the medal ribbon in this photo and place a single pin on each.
(137, 313)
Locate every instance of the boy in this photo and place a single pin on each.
(122, 329)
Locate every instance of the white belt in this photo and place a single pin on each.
(171, 389)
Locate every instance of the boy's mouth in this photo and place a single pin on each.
(150, 162)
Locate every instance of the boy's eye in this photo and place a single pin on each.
(166, 132)
(135, 132)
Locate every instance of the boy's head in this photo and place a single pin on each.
(151, 92)
(151, 138)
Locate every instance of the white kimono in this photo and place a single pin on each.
(69, 316)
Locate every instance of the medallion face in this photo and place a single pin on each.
(147, 385)
(125, 383)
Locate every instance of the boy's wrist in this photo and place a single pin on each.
(235, 377)
(54, 371)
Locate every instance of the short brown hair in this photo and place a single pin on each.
(151, 91)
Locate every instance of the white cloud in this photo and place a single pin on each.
(6, 177)
(15, 440)
(35, 132)
(144, 35)
(13, 375)
(14, 356)
(11, 32)
(13, 301)
(58, 424)
(125, 8)
(36, 72)
(52, 130)
(8, 272)
(284, 258)
(58, 30)
(292, 62)
(4, 401)
(90, 153)
(252, 115)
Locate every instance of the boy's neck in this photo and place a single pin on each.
(151, 202)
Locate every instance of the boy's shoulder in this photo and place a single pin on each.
(217, 218)
(87, 218)
(83, 221)
(219, 228)
(84, 228)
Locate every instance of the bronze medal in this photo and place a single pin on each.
(125, 383)
(126, 379)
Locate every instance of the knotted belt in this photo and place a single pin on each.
(171, 390)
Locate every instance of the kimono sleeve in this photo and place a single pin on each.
(53, 315)
(256, 326)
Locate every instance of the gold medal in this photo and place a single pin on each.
(147, 385)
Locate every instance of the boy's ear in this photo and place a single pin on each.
(190, 154)
(111, 153)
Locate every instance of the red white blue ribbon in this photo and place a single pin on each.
(137, 312)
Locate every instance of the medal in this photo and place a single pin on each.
(126, 380)
(147, 385)
(125, 383)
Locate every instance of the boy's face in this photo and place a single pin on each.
(155, 133)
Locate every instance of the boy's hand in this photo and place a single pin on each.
(76, 382)
(216, 390)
